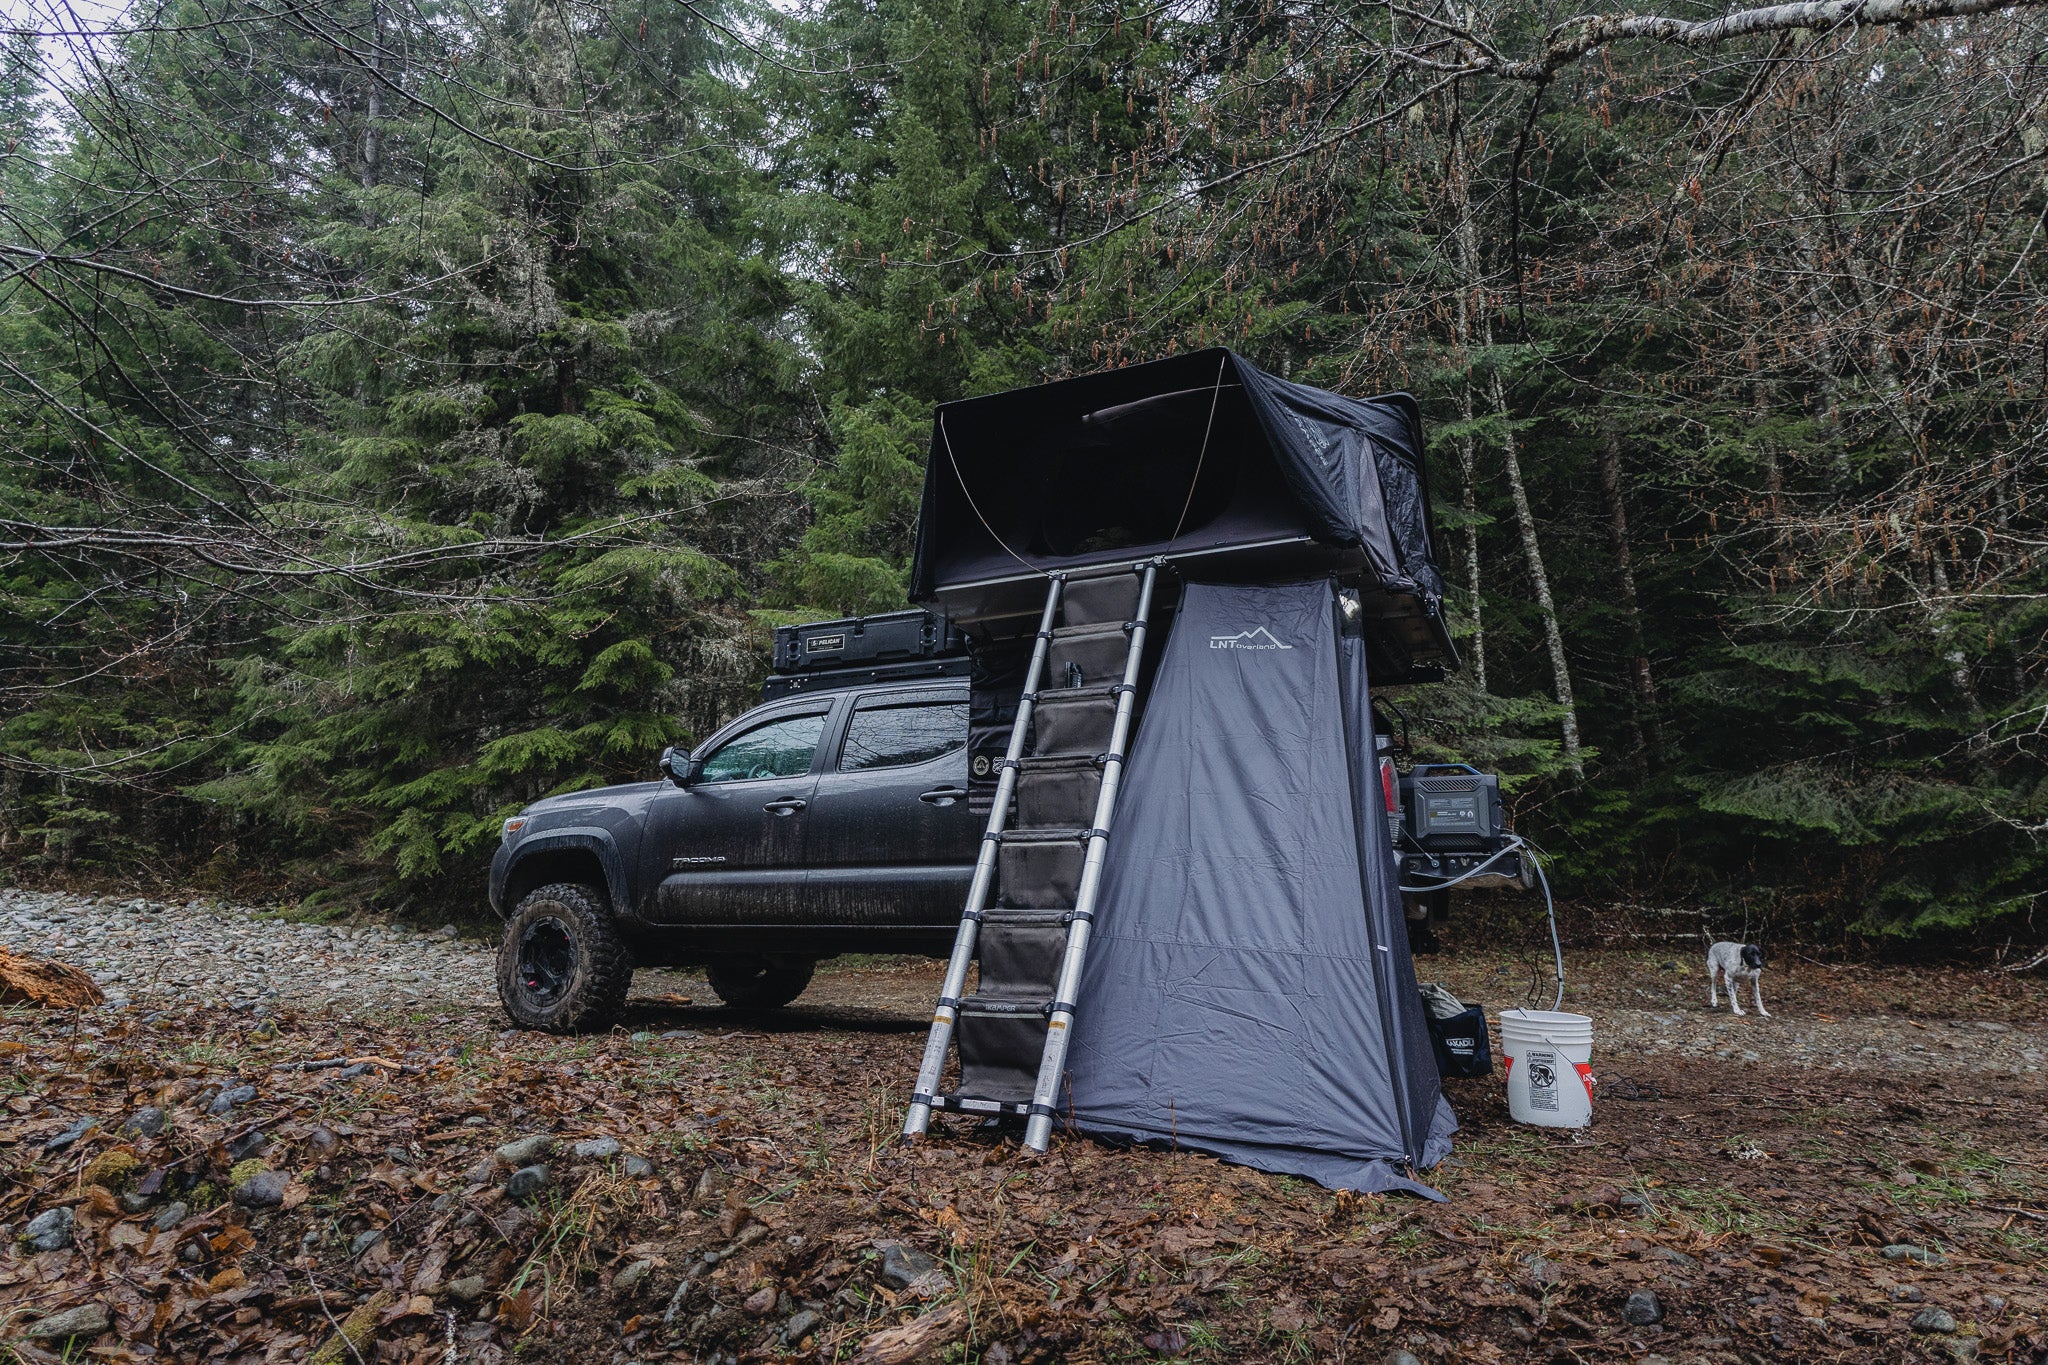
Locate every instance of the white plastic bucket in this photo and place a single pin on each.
(1549, 1059)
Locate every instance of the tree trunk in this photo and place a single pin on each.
(1649, 729)
(1466, 472)
(374, 107)
(1467, 273)
(1525, 521)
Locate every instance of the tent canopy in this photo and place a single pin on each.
(1202, 458)
(1249, 990)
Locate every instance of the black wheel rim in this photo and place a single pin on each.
(547, 961)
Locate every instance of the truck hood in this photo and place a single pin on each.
(626, 793)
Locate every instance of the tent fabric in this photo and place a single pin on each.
(1197, 453)
(1248, 990)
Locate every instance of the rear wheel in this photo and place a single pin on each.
(757, 983)
(562, 966)
(1427, 912)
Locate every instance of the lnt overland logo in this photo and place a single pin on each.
(1256, 638)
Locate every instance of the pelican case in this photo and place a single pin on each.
(902, 646)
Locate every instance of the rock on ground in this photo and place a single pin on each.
(1932, 1319)
(86, 1320)
(49, 1230)
(1642, 1309)
(526, 1182)
(526, 1150)
(263, 1190)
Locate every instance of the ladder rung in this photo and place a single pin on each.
(1023, 919)
(964, 1104)
(1091, 693)
(1039, 763)
(1044, 836)
(1006, 1007)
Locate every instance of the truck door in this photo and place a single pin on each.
(892, 841)
(729, 848)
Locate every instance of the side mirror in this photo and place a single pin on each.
(677, 767)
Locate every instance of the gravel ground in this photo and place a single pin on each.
(1824, 1017)
(1865, 1044)
(161, 954)
(158, 953)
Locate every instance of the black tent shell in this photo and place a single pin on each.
(1203, 459)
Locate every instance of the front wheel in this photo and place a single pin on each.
(562, 966)
(755, 983)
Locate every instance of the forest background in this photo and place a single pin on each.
(409, 408)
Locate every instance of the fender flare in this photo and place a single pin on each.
(591, 837)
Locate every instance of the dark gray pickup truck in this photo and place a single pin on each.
(816, 824)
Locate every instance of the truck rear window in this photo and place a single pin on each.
(894, 736)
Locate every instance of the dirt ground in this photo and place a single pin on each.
(1858, 1178)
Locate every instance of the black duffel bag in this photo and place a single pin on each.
(1457, 1035)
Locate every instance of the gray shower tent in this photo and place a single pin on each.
(1248, 989)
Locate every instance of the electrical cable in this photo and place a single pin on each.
(1556, 948)
(1515, 842)
(1469, 873)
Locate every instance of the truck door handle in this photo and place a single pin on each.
(787, 806)
(942, 796)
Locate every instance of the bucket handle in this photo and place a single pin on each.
(1586, 1076)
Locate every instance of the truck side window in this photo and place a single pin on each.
(781, 748)
(895, 736)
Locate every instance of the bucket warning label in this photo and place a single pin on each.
(1542, 1080)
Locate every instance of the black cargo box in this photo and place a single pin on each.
(902, 646)
(858, 640)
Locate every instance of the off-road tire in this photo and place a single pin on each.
(562, 967)
(755, 983)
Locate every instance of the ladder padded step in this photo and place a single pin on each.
(1021, 918)
(967, 1104)
(1021, 959)
(1087, 656)
(1093, 601)
(999, 1055)
(1073, 724)
(1039, 874)
(1058, 792)
(1001, 1005)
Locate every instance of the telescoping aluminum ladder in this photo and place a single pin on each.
(1075, 714)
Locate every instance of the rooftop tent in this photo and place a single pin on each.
(1204, 459)
(1248, 990)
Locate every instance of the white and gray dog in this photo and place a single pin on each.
(1733, 964)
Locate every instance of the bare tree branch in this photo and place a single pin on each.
(1577, 38)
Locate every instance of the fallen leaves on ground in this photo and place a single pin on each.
(777, 1216)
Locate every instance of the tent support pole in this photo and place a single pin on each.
(1052, 1065)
